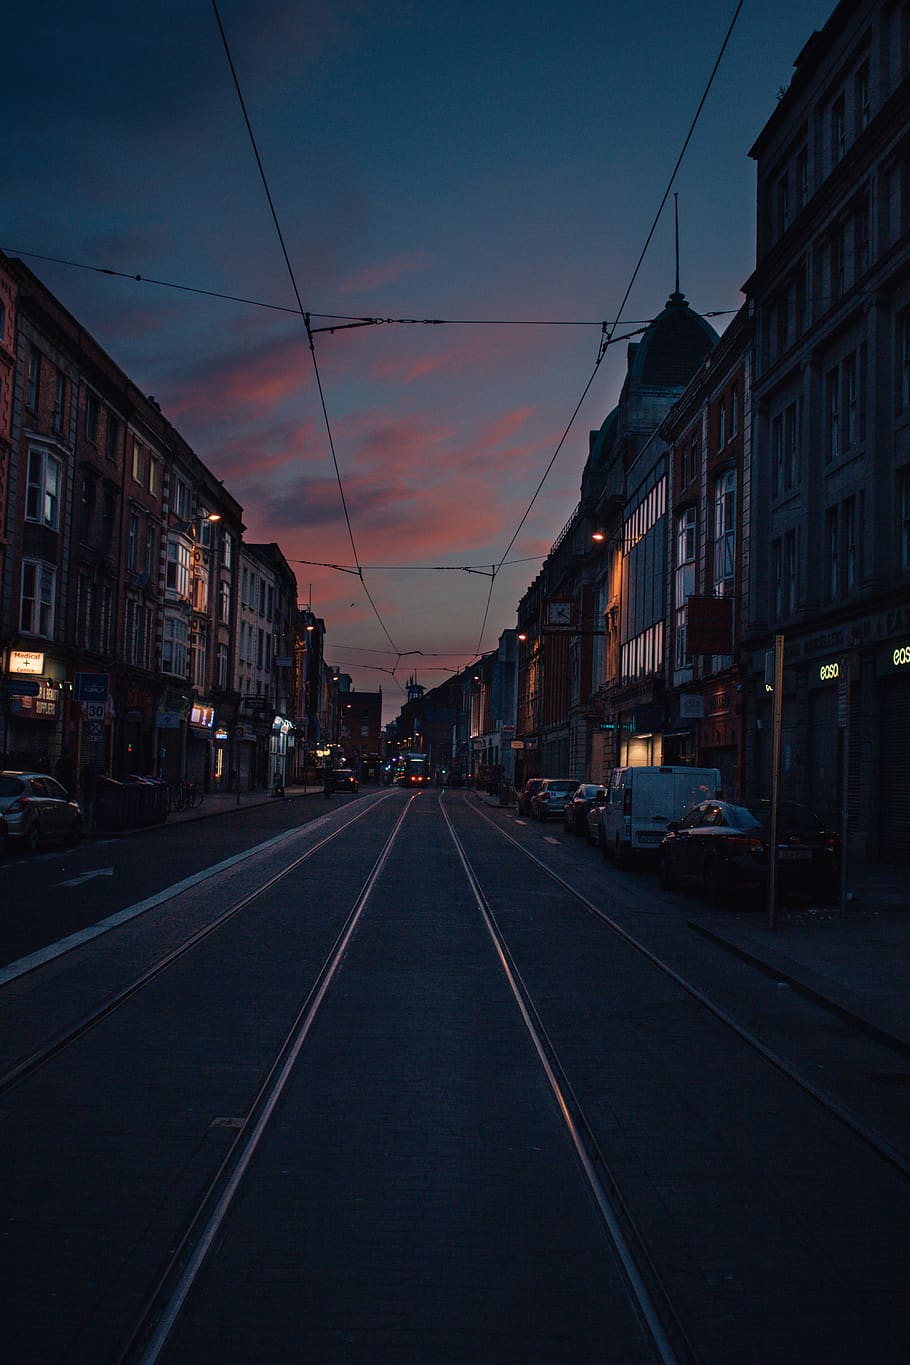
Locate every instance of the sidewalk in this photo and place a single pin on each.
(858, 966)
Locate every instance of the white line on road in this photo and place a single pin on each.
(87, 876)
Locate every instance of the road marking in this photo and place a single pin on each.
(87, 876)
(548, 838)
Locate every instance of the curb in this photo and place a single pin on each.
(812, 993)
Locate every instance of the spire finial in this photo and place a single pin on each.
(676, 213)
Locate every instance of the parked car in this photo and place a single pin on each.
(575, 815)
(34, 807)
(641, 802)
(551, 797)
(527, 791)
(722, 847)
(345, 780)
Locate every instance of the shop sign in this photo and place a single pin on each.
(44, 704)
(828, 672)
(221, 736)
(894, 658)
(25, 661)
(202, 715)
(691, 705)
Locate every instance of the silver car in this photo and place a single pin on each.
(34, 807)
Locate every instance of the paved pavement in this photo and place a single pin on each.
(858, 965)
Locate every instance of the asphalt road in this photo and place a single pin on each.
(415, 1196)
(57, 892)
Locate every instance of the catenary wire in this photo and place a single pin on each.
(16, 252)
(303, 314)
(607, 336)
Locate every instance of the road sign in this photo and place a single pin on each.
(94, 710)
(91, 686)
(94, 731)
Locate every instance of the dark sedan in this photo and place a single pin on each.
(722, 847)
(344, 780)
(575, 815)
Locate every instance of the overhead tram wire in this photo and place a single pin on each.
(607, 335)
(306, 319)
(364, 320)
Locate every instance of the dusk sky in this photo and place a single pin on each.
(460, 161)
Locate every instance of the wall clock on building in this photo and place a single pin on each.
(559, 613)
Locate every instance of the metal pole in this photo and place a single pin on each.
(775, 774)
(844, 723)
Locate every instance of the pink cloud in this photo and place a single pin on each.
(385, 272)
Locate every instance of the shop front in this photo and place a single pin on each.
(33, 691)
(200, 729)
(281, 742)
(893, 671)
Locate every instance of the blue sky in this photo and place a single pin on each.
(458, 161)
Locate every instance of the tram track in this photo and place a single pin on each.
(150, 1335)
(52, 1048)
(828, 1102)
(644, 1289)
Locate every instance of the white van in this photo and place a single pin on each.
(641, 802)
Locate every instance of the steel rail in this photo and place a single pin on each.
(580, 1132)
(40, 1057)
(165, 1304)
(879, 1144)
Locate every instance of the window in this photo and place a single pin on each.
(783, 204)
(87, 510)
(724, 534)
(136, 632)
(838, 260)
(137, 468)
(862, 98)
(224, 602)
(734, 411)
(862, 235)
(260, 652)
(684, 579)
(785, 450)
(903, 502)
(108, 514)
(802, 176)
(200, 658)
(221, 668)
(42, 497)
(59, 401)
(132, 542)
(150, 550)
(173, 647)
(832, 385)
(243, 587)
(227, 551)
(34, 379)
(154, 484)
(181, 500)
(177, 576)
(838, 130)
(849, 539)
(39, 586)
(91, 416)
(849, 396)
(903, 353)
(832, 553)
(722, 425)
(113, 438)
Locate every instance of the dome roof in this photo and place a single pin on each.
(673, 346)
